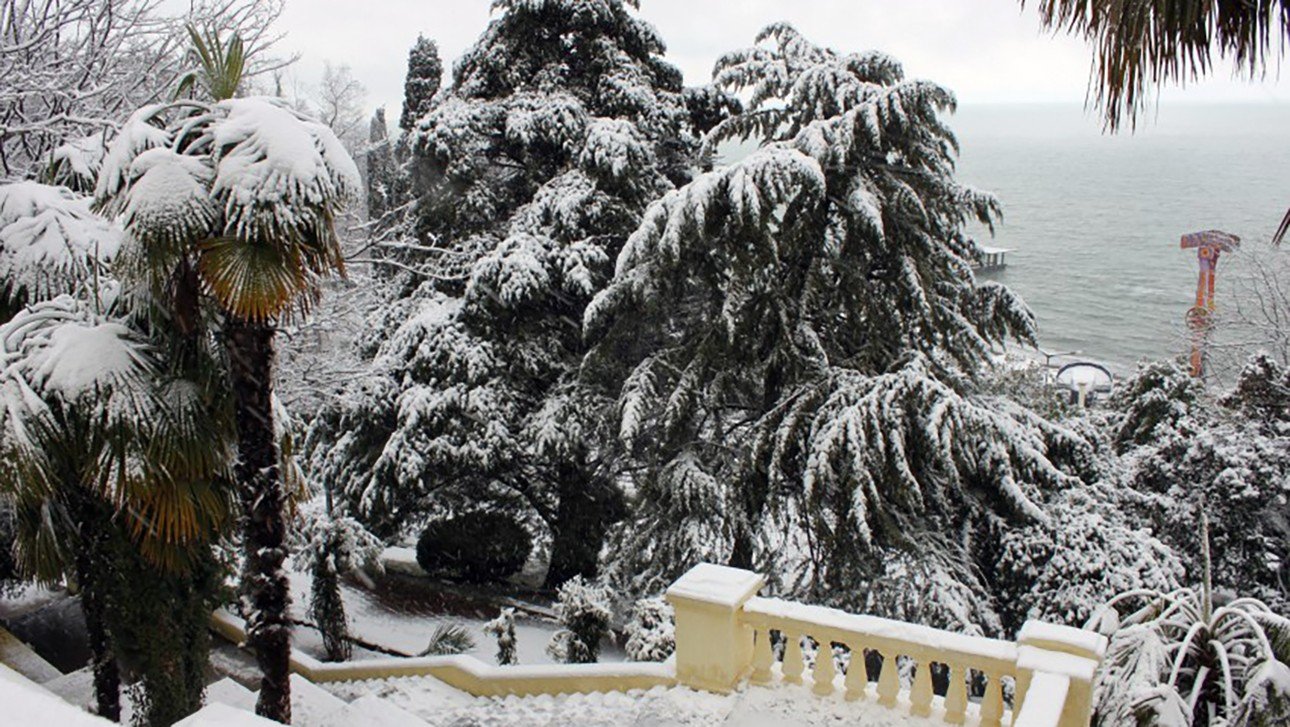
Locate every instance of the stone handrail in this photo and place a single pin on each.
(470, 674)
(723, 636)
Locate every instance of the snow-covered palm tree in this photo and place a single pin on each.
(51, 243)
(1182, 658)
(72, 386)
(104, 442)
(229, 205)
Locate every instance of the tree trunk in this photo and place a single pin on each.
(90, 565)
(264, 583)
(583, 516)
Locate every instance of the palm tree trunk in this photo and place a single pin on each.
(264, 583)
(91, 564)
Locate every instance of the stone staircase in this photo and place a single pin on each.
(724, 672)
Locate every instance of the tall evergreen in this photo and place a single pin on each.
(381, 169)
(530, 172)
(790, 343)
(425, 74)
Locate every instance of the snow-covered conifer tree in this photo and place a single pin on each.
(425, 73)
(531, 170)
(381, 170)
(790, 345)
(334, 547)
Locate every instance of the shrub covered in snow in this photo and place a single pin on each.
(1177, 659)
(1262, 393)
(503, 628)
(1155, 400)
(651, 632)
(1229, 459)
(583, 610)
(449, 639)
(1088, 552)
(478, 547)
(334, 547)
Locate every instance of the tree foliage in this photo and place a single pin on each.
(424, 76)
(503, 629)
(790, 342)
(74, 69)
(583, 610)
(529, 174)
(229, 206)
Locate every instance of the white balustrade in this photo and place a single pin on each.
(1062, 659)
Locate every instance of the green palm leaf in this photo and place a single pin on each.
(255, 281)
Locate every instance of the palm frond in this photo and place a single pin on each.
(221, 65)
(1140, 44)
(449, 639)
(253, 280)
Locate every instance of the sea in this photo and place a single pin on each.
(1094, 219)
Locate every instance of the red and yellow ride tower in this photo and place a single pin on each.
(1209, 245)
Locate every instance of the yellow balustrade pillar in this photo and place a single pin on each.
(1060, 654)
(714, 650)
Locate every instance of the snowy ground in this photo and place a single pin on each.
(401, 615)
(438, 705)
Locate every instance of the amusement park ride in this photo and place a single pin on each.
(1209, 245)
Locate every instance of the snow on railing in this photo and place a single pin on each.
(723, 636)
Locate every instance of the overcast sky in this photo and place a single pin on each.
(986, 51)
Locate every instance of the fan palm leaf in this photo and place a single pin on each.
(1144, 43)
(50, 242)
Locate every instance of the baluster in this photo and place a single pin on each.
(888, 680)
(763, 657)
(793, 663)
(956, 697)
(824, 670)
(1021, 685)
(992, 701)
(857, 680)
(920, 694)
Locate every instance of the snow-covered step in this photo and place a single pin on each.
(310, 703)
(27, 703)
(372, 711)
(222, 715)
(23, 659)
(75, 687)
(228, 692)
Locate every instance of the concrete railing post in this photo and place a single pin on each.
(713, 648)
(1059, 653)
